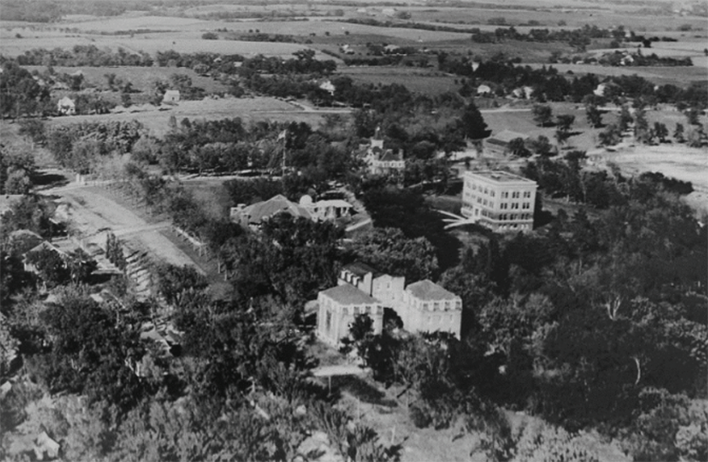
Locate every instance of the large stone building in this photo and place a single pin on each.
(498, 200)
(338, 306)
(427, 307)
(422, 306)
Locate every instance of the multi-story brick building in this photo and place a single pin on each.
(498, 200)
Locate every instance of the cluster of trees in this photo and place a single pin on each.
(16, 169)
(577, 38)
(565, 178)
(262, 37)
(80, 146)
(638, 59)
(84, 55)
(304, 62)
(20, 93)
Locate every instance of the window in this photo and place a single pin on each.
(436, 306)
(328, 324)
(515, 195)
(526, 205)
(492, 193)
(504, 205)
(514, 205)
(505, 195)
(527, 194)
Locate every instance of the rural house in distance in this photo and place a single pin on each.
(498, 200)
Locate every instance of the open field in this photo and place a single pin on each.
(151, 43)
(674, 161)
(522, 122)
(156, 119)
(416, 80)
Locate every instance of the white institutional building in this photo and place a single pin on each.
(498, 200)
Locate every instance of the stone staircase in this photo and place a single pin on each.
(138, 272)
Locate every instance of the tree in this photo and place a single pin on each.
(611, 135)
(34, 129)
(542, 114)
(678, 133)
(473, 125)
(642, 132)
(594, 115)
(125, 99)
(562, 136)
(625, 118)
(390, 251)
(694, 136)
(661, 131)
(91, 352)
(50, 266)
(542, 146)
(17, 182)
(177, 283)
(565, 122)
(517, 147)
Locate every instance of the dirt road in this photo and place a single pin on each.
(91, 213)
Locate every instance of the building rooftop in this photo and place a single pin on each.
(333, 203)
(277, 204)
(507, 135)
(429, 291)
(360, 269)
(499, 176)
(390, 155)
(347, 294)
